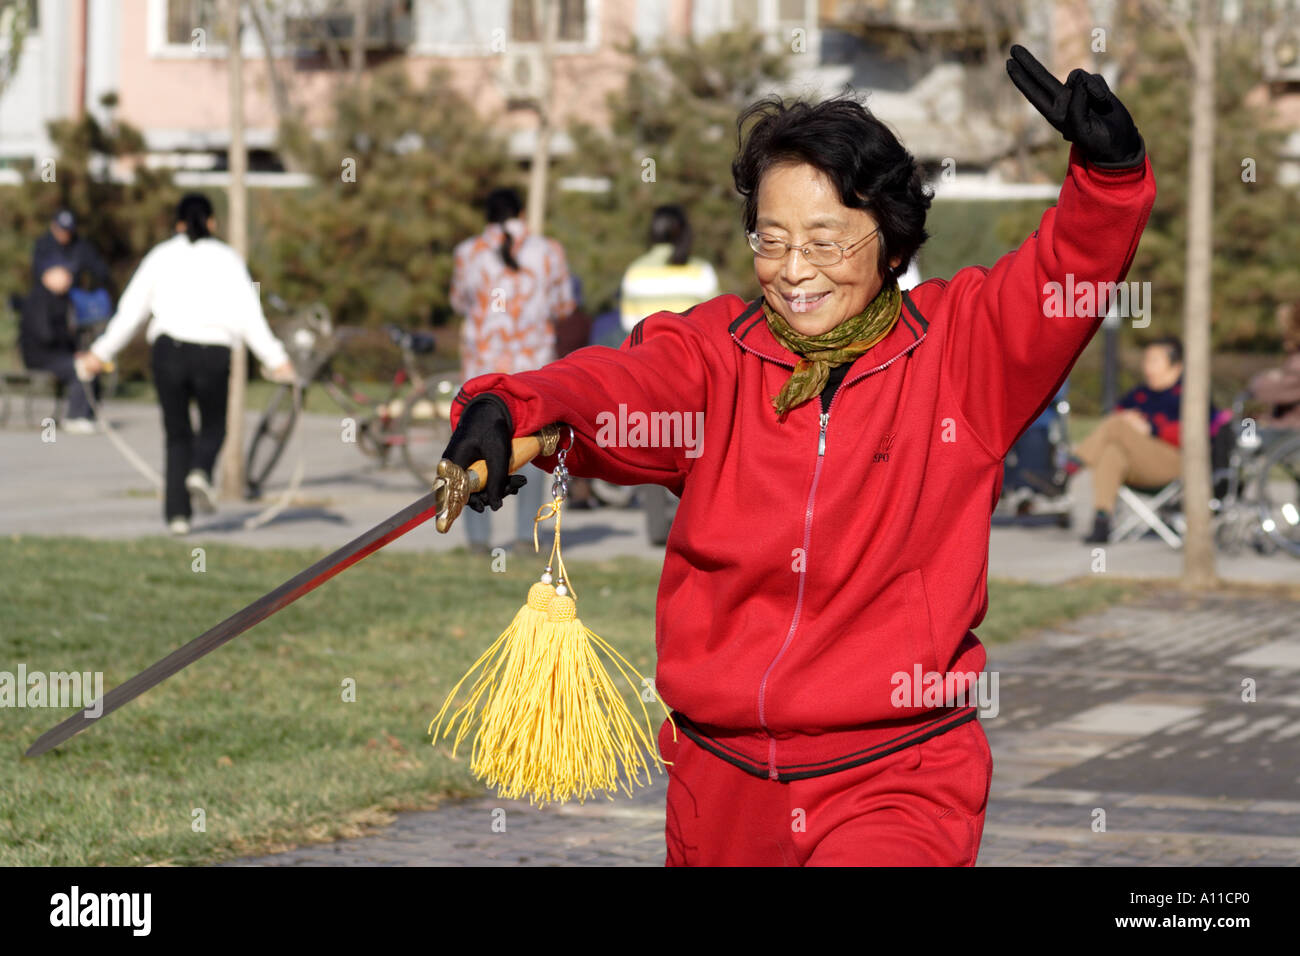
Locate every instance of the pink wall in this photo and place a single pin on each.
(190, 93)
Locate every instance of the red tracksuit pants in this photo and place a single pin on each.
(921, 806)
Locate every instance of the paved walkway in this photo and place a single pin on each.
(80, 485)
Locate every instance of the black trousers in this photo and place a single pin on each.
(184, 371)
(64, 368)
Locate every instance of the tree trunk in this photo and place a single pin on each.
(358, 52)
(537, 174)
(1198, 550)
(279, 91)
(232, 459)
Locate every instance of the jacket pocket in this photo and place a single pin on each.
(920, 626)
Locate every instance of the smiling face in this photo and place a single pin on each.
(799, 203)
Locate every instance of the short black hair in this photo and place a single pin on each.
(861, 156)
(194, 210)
(502, 204)
(669, 224)
(1172, 344)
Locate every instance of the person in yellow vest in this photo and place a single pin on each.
(667, 278)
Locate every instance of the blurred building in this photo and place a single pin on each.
(164, 60)
(933, 72)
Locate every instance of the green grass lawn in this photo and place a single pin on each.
(258, 735)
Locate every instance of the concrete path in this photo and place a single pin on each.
(79, 484)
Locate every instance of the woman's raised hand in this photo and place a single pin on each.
(1083, 110)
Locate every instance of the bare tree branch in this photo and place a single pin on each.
(1161, 10)
(279, 92)
(329, 43)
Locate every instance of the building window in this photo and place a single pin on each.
(186, 16)
(525, 21)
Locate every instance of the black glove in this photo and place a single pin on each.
(1083, 110)
(485, 432)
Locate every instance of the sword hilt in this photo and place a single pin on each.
(456, 484)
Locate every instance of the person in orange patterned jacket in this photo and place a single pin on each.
(511, 287)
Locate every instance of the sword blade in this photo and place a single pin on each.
(313, 577)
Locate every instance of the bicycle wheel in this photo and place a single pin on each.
(366, 425)
(373, 438)
(270, 439)
(424, 433)
(1278, 494)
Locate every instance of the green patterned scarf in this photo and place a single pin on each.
(844, 343)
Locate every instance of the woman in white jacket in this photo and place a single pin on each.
(202, 300)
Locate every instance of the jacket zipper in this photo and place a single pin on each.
(824, 420)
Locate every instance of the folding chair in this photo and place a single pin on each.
(1144, 513)
(30, 387)
(1159, 509)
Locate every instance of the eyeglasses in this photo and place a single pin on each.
(823, 252)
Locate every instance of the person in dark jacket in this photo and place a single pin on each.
(59, 259)
(1279, 388)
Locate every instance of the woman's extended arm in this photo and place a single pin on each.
(659, 376)
(133, 308)
(1019, 327)
(250, 321)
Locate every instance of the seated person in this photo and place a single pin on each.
(45, 337)
(1138, 443)
(1279, 388)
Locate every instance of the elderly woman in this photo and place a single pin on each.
(829, 557)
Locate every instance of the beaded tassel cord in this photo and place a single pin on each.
(552, 725)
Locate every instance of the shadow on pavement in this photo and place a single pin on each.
(235, 523)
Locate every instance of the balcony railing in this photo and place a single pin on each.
(388, 26)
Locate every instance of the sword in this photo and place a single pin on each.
(445, 501)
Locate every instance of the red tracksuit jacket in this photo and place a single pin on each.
(813, 559)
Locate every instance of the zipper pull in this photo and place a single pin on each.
(821, 439)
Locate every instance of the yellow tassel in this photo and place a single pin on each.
(552, 725)
(511, 650)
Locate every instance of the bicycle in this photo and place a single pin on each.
(1257, 495)
(414, 415)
